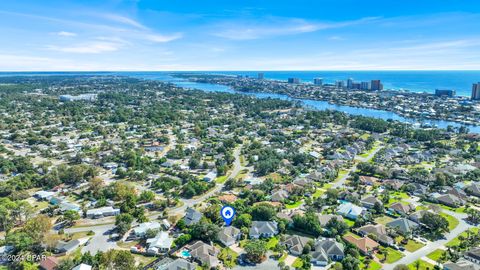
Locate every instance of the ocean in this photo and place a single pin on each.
(416, 81)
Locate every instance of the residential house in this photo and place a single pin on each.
(229, 235)
(365, 245)
(417, 216)
(142, 228)
(279, 196)
(43, 195)
(161, 243)
(473, 255)
(474, 189)
(368, 180)
(370, 201)
(324, 219)
(66, 248)
(450, 200)
(393, 184)
(461, 264)
(192, 216)
(350, 210)
(379, 231)
(326, 249)
(401, 208)
(204, 253)
(178, 264)
(102, 212)
(82, 266)
(50, 263)
(403, 225)
(263, 229)
(295, 244)
(211, 176)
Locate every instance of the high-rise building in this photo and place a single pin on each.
(293, 80)
(444, 92)
(365, 86)
(350, 83)
(376, 85)
(261, 76)
(318, 81)
(339, 84)
(476, 91)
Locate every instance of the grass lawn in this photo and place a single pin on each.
(452, 222)
(383, 220)
(298, 263)
(423, 266)
(455, 241)
(221, 179)
(284, 256)
(392, 256)
(228, 257)
(349, 222)
(436, 255)
(341, 174)
(413, 245)
(272, 242)
(373, 265)
(319, 192)
(144, 259)
(293, 205)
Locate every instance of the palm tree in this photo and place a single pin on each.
(417, 264)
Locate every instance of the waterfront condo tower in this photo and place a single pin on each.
(318, 81)
(376, 85)
(476, 91)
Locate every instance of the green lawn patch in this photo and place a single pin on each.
(372, 265)
(392, 255)
(272, 243)
(221, 179)
(228, 257)
(298, 263)
(413, 245)
(452, 222)
(383, 220)
(341, 174)
(422, 266)
(349, 222)
(436, 255)
(293, 205)
(456, 241)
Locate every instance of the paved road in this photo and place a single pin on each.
(431, 246)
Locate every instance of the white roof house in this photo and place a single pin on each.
(44, 195)
(160, 243)
(210, 176)
(82, 266)
(142, 228)
(102, 212)
(350, 210)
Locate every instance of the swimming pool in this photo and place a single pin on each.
(185, 253)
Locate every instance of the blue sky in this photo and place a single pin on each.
(239, 35)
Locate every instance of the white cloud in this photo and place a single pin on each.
(275, 26)
(88, 48)
(66, 34)
(162, 38)
(124, 20)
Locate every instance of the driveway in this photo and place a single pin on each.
(98, 242)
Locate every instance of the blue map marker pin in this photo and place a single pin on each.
(227, 214)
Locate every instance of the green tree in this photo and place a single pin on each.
(255, 250)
